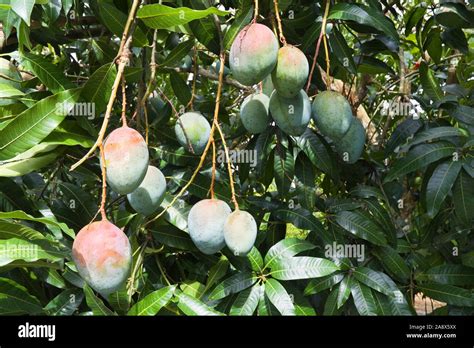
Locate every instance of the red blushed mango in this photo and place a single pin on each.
(103, 256)
(291, 71)
(253, 54)
(126, 159)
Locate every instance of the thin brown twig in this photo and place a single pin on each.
(124, 103)
(104, 183)
(280, 29)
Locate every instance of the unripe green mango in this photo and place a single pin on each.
(351, 145)
(332, 114)
(240, 232)
(148, 196)
(291, 71)
(254, 113)
(291, 115)
(197, 130)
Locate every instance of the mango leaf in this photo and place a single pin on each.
(233, 284)
(279, 297)
(302, 268)
(217, 272)
(462, 196)
(52, 76)
(401, 134)
(20, 167)
(158, 16)
(66, 303)
(284, 169)
(173, 237)
(440, 184)
(35, 123)
(360, 226)
(364, 15)
(14, 249)
(98, 88)
(152, 303)
(375, 280)
(255, 259)
(15, 299)
(435, 133)
(240, 21)
(344, 291)
(115, 20)
(7, 91)
(285, 249)
(180, 88)
(342, 51)
(96, 304)
(393, 263)
(363, 299)
(447, 293)
(192, 306)
(246, 301)
(419, 157)
(317, 285)
(300, 217)
(431, 85)
(449, 274)
(23, 8)
(178, 53)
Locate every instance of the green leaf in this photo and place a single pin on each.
(419, 157)
(318, 152)
(447, 293)
(375, 280)
(7, 91)
(302, 268)
(279, 297)
(305, 174)
(35, 123)
(246, 301)
(360, 226)
(233, 284)
(192, 306)
(217, 272)
(364, 15)
(158, 16)
(240, 21)
(342, 51)
(401, 134)
(180, 88)
(393, 262)
(317, 285)
(115, 20)
(98, 88)
(255, 259)
(435, 133)
(449, 274)
(462, 197)
(413, 18)
(173, 237)
(18, 167)
(152, 303)
(286, 248)
(52, 76)
(15, 299)
(23, 8)
(18, 249)
(300, 217)
(363, 299)
(344, 291)
(440, 184)
(284, 169)
(330, 307)
(178, 53)
(119, 301)
(431, 86)
(66, 303)
(95, 304)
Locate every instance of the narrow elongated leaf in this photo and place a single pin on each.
(435, 133)
(192, 306)
(360, 226)
(393, 263)
(342, 51)
(300, 217)
(364, 15)
(173, 237)
(374, 280)
(363, 299)
(96, 304)
(49, 74)
(240, 21)
(158, 16)
(152, 303)
(49, 221)
(419, 157)
(15, 299)
(233, 284)
(14, 249)
(284, 169)
(35, 123)
(217, 272)
(255, 259)
(279, 297)
(324, 283)
(330, 307)
(440, 184)
(178, 53)
(450, 274)
(344, 291)
(7, 91)
(302, 268)
(180, 88)
(66, 303)
(23, 8)
(431, 85)
(247, 301)
(98, 88)
(448, 293)
(401, 133)
(286, 248)
(462, 196)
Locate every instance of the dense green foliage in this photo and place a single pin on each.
(403, 212)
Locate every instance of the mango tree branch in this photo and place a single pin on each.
(123, 58)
